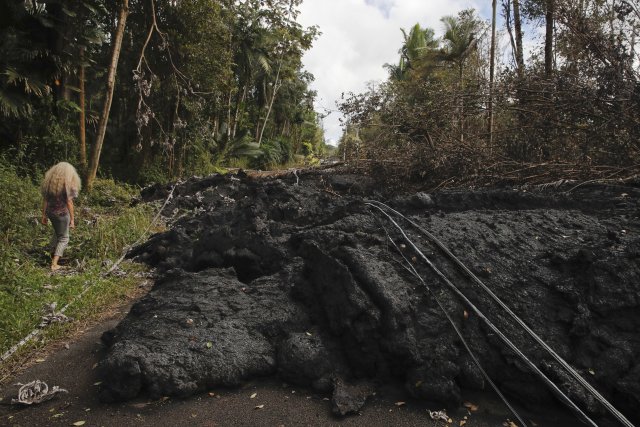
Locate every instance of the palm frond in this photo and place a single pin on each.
(14, 105)
(264, 63)
(243, 149)
(32, 86)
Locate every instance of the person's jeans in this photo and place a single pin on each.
(60, 238)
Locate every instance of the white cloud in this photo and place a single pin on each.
(358, 37)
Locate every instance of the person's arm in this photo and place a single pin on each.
(44, 211)
(72, 223)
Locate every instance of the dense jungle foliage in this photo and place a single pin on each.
(187, 86)
(457, 106)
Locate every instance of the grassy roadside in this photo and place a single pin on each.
(106, 221)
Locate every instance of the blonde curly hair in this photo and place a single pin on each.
(62, 177)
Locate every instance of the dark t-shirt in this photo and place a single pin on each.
(57, 204)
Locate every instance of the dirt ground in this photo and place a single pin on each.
(291, 287)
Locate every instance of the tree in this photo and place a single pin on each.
(417, 44)
(516, 42)
(27, 68)
(207, 78)
(274, 92)
(289, 43)
(548, 38)
(460, 40)
(38, 47)
(250, 56)
(82, 134)
(111, 78)
(492, 69)
(579, 103)
(517, 22)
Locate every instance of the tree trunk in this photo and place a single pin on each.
(517, 23)
(548, 41)
(111, 79)
(273, 97)
(492, 70)
(632, 55)
(463, 57)
(237, 113)
(229, 124)
(57, 42)
(506, 8)
(82, 135)
(461, 69)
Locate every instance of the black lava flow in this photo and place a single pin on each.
(263, 277)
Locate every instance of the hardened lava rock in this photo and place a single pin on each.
(296, 277)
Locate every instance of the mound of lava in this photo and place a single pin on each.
(296, 277)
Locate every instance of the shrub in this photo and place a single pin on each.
(19, 207)
(274, 152)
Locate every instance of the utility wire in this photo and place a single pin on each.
(412, 270)
(506, 340)
(617, 414)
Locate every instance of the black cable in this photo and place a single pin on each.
(411, 269)
(617, 414)
(554, 388)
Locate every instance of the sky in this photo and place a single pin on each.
(359, 37)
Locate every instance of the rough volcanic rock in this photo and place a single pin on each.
(349, 398)
(263, 277)
(197, 330)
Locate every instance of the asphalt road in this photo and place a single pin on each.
(273, 403)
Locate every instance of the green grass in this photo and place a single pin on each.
(106, 222)
(241, 163)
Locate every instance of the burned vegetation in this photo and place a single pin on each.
(298, 276)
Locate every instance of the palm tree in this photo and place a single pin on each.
(459, 39)
(38, 45)
(459, 42)
(396, 72)
(418, 42)
(251, 63)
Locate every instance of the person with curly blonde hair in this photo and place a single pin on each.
(60, 186)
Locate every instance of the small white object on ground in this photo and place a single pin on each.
(439, 415)
(36, 392)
